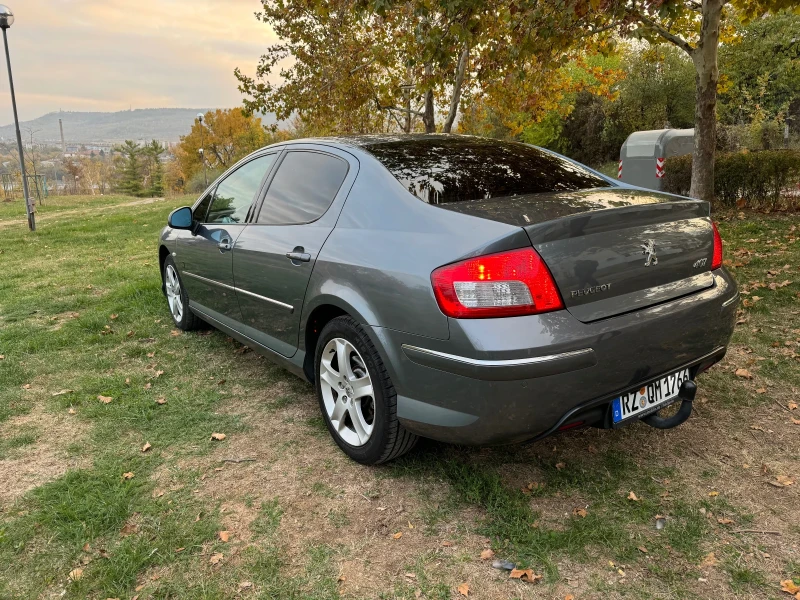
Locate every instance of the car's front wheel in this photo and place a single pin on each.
(177, 298)
(356, 395)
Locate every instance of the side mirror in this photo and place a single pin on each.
(180, 218)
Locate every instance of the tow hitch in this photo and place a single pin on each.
(686, 395)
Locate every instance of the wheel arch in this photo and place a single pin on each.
(163, 253)
(324, 309)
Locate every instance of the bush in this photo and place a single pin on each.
(766, 180)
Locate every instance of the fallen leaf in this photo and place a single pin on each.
(105, 399)
(642, 549)
(784, 481)
(632, 496)
(224, 536)
(218, 437)
(216, 558)
(579, 512)
(463, 589)
(487, 554)
(114, 317)
(795, 421)
(2, 357)
(128, 475)
(713, 494)
(75, 574)
(128, 529)
(447, 544)
(26, 386)
(72, 411)
(787, 585)
(174, 333)
(398, 535)
(148, 385)
(246, 585)
(724, 521)
(146, 447)
(791, 405)
(569, 597)
(62, 392)
(761, 391)
(161, 400)
(709, 561)
(525, 575)
(743, 373)
(560, 466)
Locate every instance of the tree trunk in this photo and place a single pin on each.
(704, 58)
(459, 81)
(427, 115)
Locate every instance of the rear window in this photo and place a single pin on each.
(442, 170)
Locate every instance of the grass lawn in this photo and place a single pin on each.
(111, 486)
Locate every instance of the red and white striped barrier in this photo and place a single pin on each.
(619, 170)
(659, 168)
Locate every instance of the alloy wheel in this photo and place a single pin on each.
(173, 287)
(347, 391)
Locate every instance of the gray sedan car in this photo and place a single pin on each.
(457, 288)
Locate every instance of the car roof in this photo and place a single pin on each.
(365, 141)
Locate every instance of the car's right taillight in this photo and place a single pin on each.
(716, 259)
(506, 284)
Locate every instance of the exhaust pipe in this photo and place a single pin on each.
(686, 395)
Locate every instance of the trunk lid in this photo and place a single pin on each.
(613, 251)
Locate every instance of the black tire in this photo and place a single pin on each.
(188, 321)
(388, 439)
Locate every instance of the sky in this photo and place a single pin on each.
(110, 55)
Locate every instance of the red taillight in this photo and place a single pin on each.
(507, 284)
(716, 259)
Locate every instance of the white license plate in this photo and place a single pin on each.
(649, 397)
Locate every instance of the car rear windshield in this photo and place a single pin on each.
(441, 170)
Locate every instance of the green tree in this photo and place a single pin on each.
(131, 172)
(695, 27)
(154, 177)
(384, 65)
(761, 71)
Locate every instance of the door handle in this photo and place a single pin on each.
(224, 244)
(298, 255)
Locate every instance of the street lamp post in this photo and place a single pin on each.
(203, 146)
(6, 20)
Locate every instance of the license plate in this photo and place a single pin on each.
(648, 398)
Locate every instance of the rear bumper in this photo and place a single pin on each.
(516, 379)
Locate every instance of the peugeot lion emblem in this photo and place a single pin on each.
(649, 250)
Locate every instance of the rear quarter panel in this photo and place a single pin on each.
(379, 257)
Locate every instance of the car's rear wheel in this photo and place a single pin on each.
(177, 298)
(356, 395)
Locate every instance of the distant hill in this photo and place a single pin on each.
(163, 124)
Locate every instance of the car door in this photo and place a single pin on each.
(275, 254)
(206, 252)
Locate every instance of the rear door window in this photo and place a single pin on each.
(441, 170)
(235, 193)
(303, 188)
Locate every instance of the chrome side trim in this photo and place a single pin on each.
(288, 307)
(517, 362)
(211, 281)
(730, 300)
(502, 370)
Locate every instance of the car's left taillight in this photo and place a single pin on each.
(716, 259)
(506, 284)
